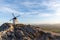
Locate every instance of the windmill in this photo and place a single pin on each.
(15, 21)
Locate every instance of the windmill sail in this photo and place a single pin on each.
(15, 20)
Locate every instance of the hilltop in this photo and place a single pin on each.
(9, 31)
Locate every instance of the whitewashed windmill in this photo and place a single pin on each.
(15, 21)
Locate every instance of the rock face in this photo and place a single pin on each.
(25, 32)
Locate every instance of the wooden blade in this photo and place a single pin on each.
(13, 15)
(11, 19)
(18, 16)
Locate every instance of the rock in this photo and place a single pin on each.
(25, 32)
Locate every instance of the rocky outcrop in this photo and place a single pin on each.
(25, 32)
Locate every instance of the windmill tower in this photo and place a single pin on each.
(15, 21)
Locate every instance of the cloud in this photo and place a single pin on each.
(36, 6)
(42, 8)
(9, 10)
(51, 8)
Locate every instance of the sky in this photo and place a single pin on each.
(31, 11)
